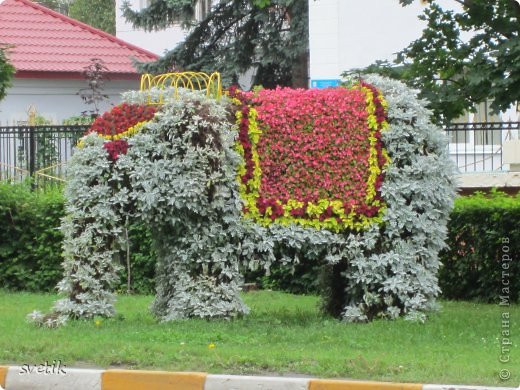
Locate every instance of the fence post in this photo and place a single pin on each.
(32, 151)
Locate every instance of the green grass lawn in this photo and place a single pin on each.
(283, 335)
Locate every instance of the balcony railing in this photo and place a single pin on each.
(477, 147)
(42, 151)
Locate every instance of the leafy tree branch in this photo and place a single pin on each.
(6, 71)
(455, 73)
(270, 36)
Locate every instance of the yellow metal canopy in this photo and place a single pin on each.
(196, 81)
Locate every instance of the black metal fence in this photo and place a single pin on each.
(42, 151)
(37, 151)
(477, 147)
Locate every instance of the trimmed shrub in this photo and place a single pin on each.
(30, 249)
(30, 239)
(31, 243)
(481, 262)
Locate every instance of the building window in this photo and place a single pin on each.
(202, 9)
(483, 133)
(489, 136)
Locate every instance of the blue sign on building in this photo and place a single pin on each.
(325, 83)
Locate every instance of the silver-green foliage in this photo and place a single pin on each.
(182, 175)
(179, 176)
(92, 232)
(419, 189)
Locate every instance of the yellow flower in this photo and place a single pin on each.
(98, 322)
(212, 346)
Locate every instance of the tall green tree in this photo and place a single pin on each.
(100, 14)
(270, 36)
(455, 73)
(6, 72)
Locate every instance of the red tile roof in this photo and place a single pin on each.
(47, 41)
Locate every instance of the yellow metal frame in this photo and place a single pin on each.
(196, 81)
(41, 173)
(14, 167)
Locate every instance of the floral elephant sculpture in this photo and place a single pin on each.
(356, 178)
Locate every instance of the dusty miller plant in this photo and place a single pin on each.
(182, 175)
(179, 176)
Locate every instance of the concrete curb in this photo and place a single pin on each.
(3, 374)
(144, 380)
(43, 378)
(46, 377)
(231, 382)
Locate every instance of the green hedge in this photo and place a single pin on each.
(484, 244)
(483, 230)
(30, 242)
(142, 261)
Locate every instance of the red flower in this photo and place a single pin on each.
(314, 134)
(115, 148)
(121, 118)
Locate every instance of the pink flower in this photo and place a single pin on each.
(314, 145)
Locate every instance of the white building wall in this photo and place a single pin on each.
(155, 41)
(54, 99)
(349, 34)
